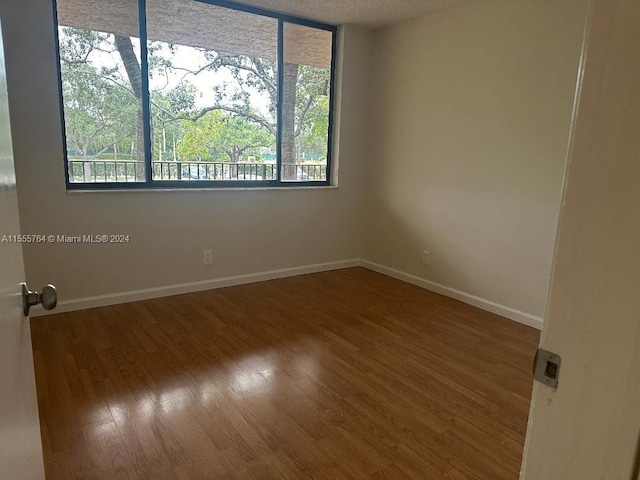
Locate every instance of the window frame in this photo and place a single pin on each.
(149, 183)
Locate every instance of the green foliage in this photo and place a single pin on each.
(200, 137)
(238, 136)
(221, 137)
(101, 110)
(312, 110)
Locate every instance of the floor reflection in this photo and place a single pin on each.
(256, 374)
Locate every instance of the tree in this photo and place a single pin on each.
(239, 135)
(165, 108)
(312, 110)
(102, 89)
(99, 111)
(132, 67)
(305, 90)
(104, 103)
(215, 135)
(200, 137)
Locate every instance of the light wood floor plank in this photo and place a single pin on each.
(339, 375)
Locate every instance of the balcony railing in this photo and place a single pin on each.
(106, 171)
(213, 171)
(101, 171)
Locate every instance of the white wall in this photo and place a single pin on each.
(471, 121)
(248, 231)
(459, 149)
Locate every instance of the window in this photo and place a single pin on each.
(193, 93)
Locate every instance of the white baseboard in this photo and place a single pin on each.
(488, 305)
(147, 293)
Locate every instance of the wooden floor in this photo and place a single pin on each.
(339, 375)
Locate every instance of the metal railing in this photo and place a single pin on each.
(104, 171)
(303, 172)
(213, 171)
(101, 171)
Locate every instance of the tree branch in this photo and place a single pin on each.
(303, 114)
(261, 75)
(109, 79)
(194, 72)
(250, 116)
(121, 137)
(75, 145)
(243, 149)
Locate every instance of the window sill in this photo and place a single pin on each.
(203, 189)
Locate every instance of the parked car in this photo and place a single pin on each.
(195, 172)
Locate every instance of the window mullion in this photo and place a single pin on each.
(146, 101)
(279, 109)
(332, 99)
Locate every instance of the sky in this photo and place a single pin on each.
(192, 59)
(188, 58)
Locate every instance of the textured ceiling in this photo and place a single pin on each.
(197, 24)
(367, 13)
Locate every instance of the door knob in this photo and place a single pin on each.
(48, 298)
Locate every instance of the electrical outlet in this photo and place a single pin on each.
(426, 257)
(207, 257)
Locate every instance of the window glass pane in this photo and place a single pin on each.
(101, 86)
(305, 103)
(213, 85)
